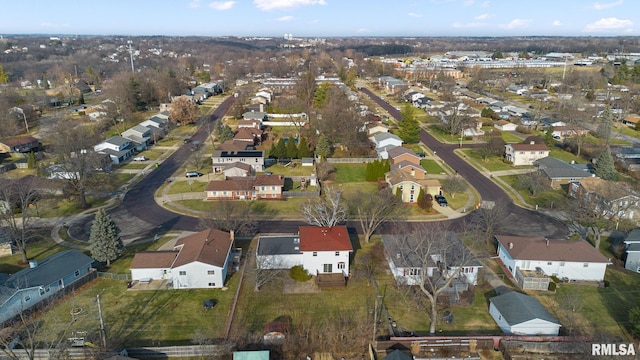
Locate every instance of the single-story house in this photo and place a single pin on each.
(569, 259)
(631, 120)
(21, 144)
(30, 286)
(504, 125)
(197, 261)
(318, 249)
(267, 187)
(525, 153)
(237, 169)
(559, 172)
(632, 247)
(568, 131)
(520, 314)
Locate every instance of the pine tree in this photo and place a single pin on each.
(272, 151)
(604, 167)
(606, 124)
(105, 242)
(292, 149)
(409, 128)
(303, 149)
(281, 150)
(323, 147)
(548, 137)
(31, 161)
(370, 171)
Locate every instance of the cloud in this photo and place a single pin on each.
(483, 16)
(285, 18)
(608, 24)
(285, 4)
(557, 23)
(485, 4)
(222, 5)
(411, 14)
(469, 2)
(194, 4)
(516, 23)
(468, 25)
(362, 30)
(605, 6)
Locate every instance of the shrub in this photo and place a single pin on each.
(298, 273)
(555, 279)
(552, 286)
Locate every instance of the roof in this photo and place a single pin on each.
(404, 163)
(395, 244)
(397, 355)
(400, 150)
(238, 165)
(556, 168)
(234, 145)
(325, 238)
(517, 308)
(542, 249)
(396, 177)
(529, 147)
(117, 140)
(21, 140)
(608, 190)
(210, 246)
(634, 236)
(251, 355)
(384, 136)
(245, 183)
(153, 259)
(239, 153)
(278, 245)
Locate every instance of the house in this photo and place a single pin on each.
(139, 135)
(407, 267)
(385, 141)
(376, 127)
(265, 93)
(30, 286)
(409, 187)
(523, 256)
(237, 169)
(504, 125)
(318, 249)
(547, 122)
(562, 132)
(406, 160)
(610, 200)
(118, 148)
(198, 261)
(631, 120)
(253, 123)
(21, 144)
(525, 153)
(250, 135)
(266, 187)
(236, 145)
(255, 115)
(221, 158)
(520, 314)
(558, 172)
(632, 248)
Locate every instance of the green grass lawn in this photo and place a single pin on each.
(39, 249)
(510, 138)
(168, 141)
(346, 173)
(57, 207)
(431, 166)
(297, 170)
(493, 163)
(458, 201)
(133, 166)
(123, 263)
(180, 187)
(566, 156)
(546, 199)
(439, 133)
(153, 153)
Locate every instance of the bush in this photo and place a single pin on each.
(298, 273)
(555, 279)
(552, 286)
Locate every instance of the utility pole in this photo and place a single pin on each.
(131, 56)
(103, 333)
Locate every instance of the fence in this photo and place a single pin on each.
(350, 160)
(308, 194)
(114, 276)
(193, 351)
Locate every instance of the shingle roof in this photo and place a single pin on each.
(517, 308)
(324, 238)
(556, 168)
(210, 246)
(400, 150)
(278, 245)
(529, 147)
(539, 248)
(153, 259)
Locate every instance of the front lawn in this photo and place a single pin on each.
(548, 199)
(492, 163)
(431, 166)
(181, 187)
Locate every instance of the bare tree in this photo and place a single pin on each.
(533, 182)
(229, 215)
(435, 258)
(375, 209)
(183, 111)
(328, 210)
(265, 270)
(454, 184)
(489, 220)
(17, 198)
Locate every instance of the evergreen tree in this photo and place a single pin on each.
(281, 150)
(4, 75)
(292, 149)
(604, 167)
(104, 241)
(409, 128)
(272, 151)
(31, 161)
(303, 148)
(369, 173)
(81, 99)
(323, 147)
(603, 131)
(548, 137)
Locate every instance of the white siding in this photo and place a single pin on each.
(315, 264)
(508, 262)
(154, 274)
(278, 261)
(570, 270)
(197, 276)
(531, 327)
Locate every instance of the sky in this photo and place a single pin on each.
(323, 18)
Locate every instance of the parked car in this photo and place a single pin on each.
(442, 201)
(140, 158)
(194, 174)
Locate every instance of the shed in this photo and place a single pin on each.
(251, 355)
(520, 314)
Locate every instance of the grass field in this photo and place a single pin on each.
(546, 199)
(493, 163)
(297, 170)
(180, 187)
(346, 173)
(431, 166)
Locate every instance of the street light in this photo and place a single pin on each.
(16, 109)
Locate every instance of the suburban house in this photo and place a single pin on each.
(385, 141)
(559, 172)
(520, 314)
(139, 135)
(406, 160)
(318, 249)
(407, 266)
(197, 261)
(532, 259)
(237, 169)
(627, 156)
(504, 125)
(631, 120)
(221, 158)
(118, 148)
(632, 247)
(28, 287)
(562, 132)
(608, 199)
(253, 123)
(392, 84)
(376, 127)
(236, 145)
(409, 187)
(525, 153)
(267, 187)
(21, 144)
(250, 135)
(255, 115)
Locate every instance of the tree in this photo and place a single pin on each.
(533, 182)
(409, 128)
(105, 242)
(228, 215)
(323, 148)
(303, 148)
(373, 210)
(454, 119)
(419, 248)
(292, 149)
(425, 200)
(183, 111)
(489, 220)
(4, 75)
(280, 151)
(328, 210)
(16, 199)
(634, 319)
(223, 132)
(32, 163)
(548, 137)
(454, 184)
(604, 167)
(603, 131)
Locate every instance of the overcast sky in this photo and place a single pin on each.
(322, 18)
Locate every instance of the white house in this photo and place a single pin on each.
(221, 158)
(504, 125)
(118, 148)
(520, 314)
(319, 249)
(632, 247)
(197, 261)
(139, 135)
(570, 259)
(384, 142)
(525, 154)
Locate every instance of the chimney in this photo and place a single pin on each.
(547, 241)
(232, 235)
(510, 245)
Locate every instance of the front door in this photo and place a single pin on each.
(327, 268)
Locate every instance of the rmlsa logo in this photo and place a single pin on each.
(612, 349)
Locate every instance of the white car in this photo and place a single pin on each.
(140, 158)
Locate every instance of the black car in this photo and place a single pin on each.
(442, 201)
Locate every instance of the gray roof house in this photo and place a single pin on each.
(560, 172)
(140, 135)
(632, 246)
(30, 286)
(520, 314)
(117, 147)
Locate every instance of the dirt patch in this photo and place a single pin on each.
(291, 286)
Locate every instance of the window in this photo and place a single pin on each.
(341, 266)
(262, 188)
(337, 253)
(47, 289)
(212, 284)
(27, 298)
(41, 291)
(549, 263)
(77, 273)
(415, 271)
(327, 268)
(585, 265)
(561, 263)
(211, 272)
(182, 273)
(315, 253)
